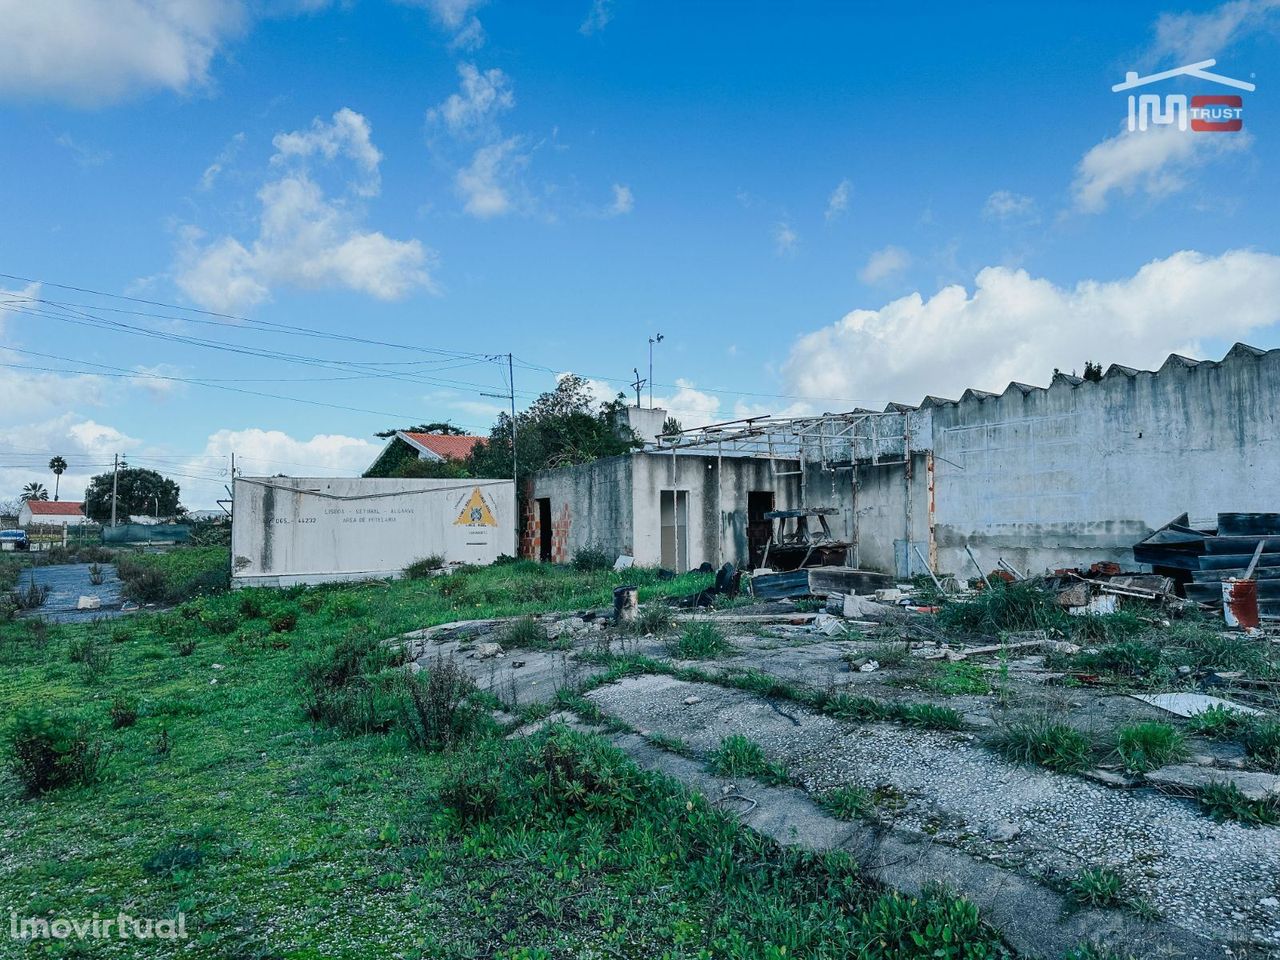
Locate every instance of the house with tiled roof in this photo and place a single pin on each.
(408, 445)
(64, 512)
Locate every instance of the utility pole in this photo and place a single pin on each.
(511, 381)
(636, 385)
(652, 341)
(115, 487)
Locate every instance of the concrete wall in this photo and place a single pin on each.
(1080, 471)
(615, 504)
(292, 530)
(590, 506)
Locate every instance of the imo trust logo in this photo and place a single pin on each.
(1207, 113)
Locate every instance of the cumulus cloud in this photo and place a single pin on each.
(88, 53)
(347, 135)
(884, 264)
(1188, 37)
(1014, 326)
(485, 184)
(691, 406)
(456, 17)
(623, 200)
(785, 239)
(306, 238)
(838, 202)
(1156, 162)
(473, 109)
(1007, 207)
(87, 445)
(598, 17)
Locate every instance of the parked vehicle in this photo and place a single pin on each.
(14, 540)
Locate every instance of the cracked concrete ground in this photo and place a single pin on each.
(1002, 833)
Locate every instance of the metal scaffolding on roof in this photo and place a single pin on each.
(829, 440)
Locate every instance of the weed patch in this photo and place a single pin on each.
(738, 756)
(524, 633)
(1046, 743)
(1097, 887)
(1005, 607)
(1145, 746)
(1219, 723)
(49, 751)
(848, 803)
(1262, 744)
(700, 640)
(954, 679)
(1224, 801)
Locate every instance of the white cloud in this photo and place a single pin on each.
(598, 17)
(884, 265)
(305, 238)
(482, 96)
(88, 447)
(1017, 327)
(348, 135)
(1188, 37)
(486, 183)
(225, 157)
(691, 406)
(623, 200)
(456, 17)
(91, 52)
(785, 239)
(1007, 206)
(1156, 162)
(838, 202)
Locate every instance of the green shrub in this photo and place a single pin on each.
(1223, 800)
(844, 706)
(124, 711)
(1200, 645)
(1262, 744)
(1045, 742)
(700, 640)
(848, 803)
(1219, 723)
(79, 648)
(425, 568)
(438, 708)
(49, 751)
(1128, 658)
(652, 618)
(524, 633)
(1005, 607)
(1145, 746)
(1097, 887)
(954, 679)
(345, 685)
(1107, 627)
(938, 925)
(931, 717)
(283, 621)
(738, 756)
(592, 557)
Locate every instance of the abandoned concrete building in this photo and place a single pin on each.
(1043, 477)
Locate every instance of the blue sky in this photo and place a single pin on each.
(819, 205)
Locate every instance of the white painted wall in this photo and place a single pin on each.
(290, 530)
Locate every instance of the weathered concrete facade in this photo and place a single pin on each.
(1044, 477)
(674, 511)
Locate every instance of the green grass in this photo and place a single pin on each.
(1219, 723)
(738, 756)
(849, 803)
(1005, 607)
(1046, 743)
(1097, 887)
(1224, 801)
(1262, 744)
(525, 633)
(1146, 746)
(954, 679)
(700, 640)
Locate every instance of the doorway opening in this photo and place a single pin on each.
(674, 509)
(759, 530)
(544, 529)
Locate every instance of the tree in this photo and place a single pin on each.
(1092, 371)
(431, 470)
(563, 426)
(140, 491)
(59, 467)
(671, 425)
(34, 490)
(442, 427)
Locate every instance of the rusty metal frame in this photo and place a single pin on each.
(829, 440)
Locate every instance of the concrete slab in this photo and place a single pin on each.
(1190, 704)
(1193, 778)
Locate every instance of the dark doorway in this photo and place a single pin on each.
(759, 502)
(544, 529)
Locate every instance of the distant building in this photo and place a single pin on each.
(64, 512)
(421, 446)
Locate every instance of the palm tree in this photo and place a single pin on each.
(34, 491)
(59, 467)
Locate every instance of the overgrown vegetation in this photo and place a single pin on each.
(1148, 745)
(849, 803)
(1097, 887)
(1003, 607)
(1046, 742)
(525, 633)
(174, 577)
(1222, 800)
(49, 751)
(428, 566)
(738, 756)
(700, 640)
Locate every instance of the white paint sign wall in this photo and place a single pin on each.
(288, 530)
